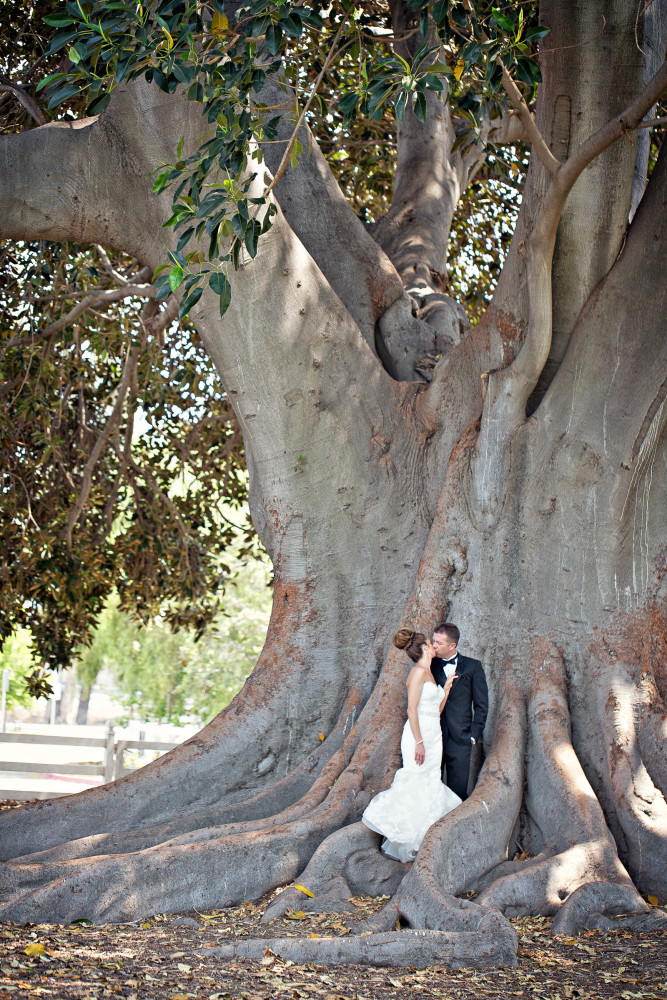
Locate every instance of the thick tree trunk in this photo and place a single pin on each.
(382, 501)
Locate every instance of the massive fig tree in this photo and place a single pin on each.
(519, 491)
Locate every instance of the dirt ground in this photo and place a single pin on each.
(161, 959)
(164, 959)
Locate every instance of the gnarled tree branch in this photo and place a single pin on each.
(509, 389)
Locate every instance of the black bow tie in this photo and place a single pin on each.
(448, 663)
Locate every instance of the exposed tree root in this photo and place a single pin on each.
(593, 904)
(202, 776)
(204, 825)
(512, 867)
(578, 869)
(347, 863)
(416, 948)
(577, 876)
(652, 736)
(255, 808)
(639, 807)
(215, 866)
(236, 865)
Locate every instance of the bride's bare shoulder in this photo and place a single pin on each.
(417, 673)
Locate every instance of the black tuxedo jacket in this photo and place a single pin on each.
(468, 702)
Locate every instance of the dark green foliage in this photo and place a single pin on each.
(151, 526)
(224, 67)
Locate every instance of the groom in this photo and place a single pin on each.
(463, 718)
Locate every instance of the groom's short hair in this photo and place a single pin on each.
(451, 631)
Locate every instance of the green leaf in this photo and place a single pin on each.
(494, 75)
(252, 236)
(435, 67)
(378, 99)
(58, 20)
(274, 34)
(183, 73)
(184, 238)
(528, 71)
(292, 25)
(295, 155)
(59, 41)
(160, 182)
(311, 18)
(238, 225)
(213, 243)
(70, 90)
(219, 282)
(502, 20)
(175, 277)
(401, 103)
(347, 104)
(191, 300)
(51, 78)
(439, 12)
(434, 82)
(420, 107)
(458, 15)
(266, 225)
(97, 106)
(532, 34)
(196, 92)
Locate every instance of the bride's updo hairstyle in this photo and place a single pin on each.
(412, 642)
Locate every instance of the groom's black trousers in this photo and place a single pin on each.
(456, 767)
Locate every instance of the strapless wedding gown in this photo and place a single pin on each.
(417, 797)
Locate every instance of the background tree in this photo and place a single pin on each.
(106, 418)
(18, 657)
(163, 675)
(519, 492)
(103, 427)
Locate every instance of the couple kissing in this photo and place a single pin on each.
(447, 709)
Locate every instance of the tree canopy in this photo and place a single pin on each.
(353, 79)
(115, 464)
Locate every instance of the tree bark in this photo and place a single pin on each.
(383, 501)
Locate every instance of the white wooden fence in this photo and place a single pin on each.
(112, 766)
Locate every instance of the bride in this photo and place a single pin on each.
(417, 797)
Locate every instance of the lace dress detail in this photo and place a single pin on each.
(417, 797)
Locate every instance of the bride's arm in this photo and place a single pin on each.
(415, 684)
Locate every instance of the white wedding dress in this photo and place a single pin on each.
(417, 797)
